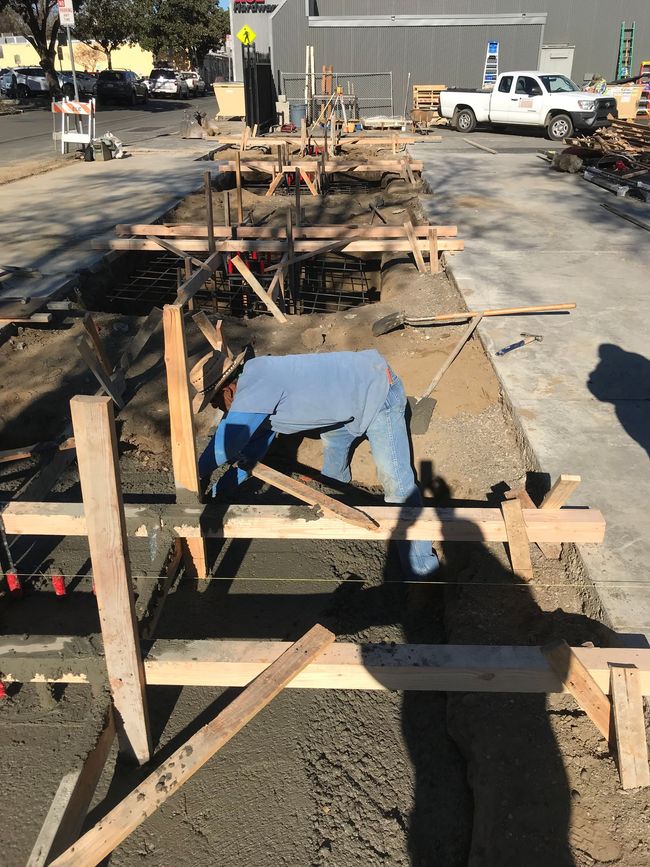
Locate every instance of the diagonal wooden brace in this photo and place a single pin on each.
(517, 535)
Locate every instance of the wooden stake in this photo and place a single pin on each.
(304, 492)
(294, 291)
(226, 207)
(275, 183)
(296, 180)
(631, 743)
(415, 247)
(111, 388)
(167, 779)
(551, 552)
(93, 333)
(207, 178)
(96, 442)
(309, 183)
(257, 288)
(581, 685)
(212, 333)
(518, 543)
(560, 492)
(434, 262)
(240, 203)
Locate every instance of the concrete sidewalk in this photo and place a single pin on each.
(535, 236)
(49, 220)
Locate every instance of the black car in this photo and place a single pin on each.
(120, 85)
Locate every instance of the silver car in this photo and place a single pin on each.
(195, 83)
(168, 82)
(24, 81)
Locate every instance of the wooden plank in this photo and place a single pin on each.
(72, 800)
(279, 246)
(631, 742)
(209, 217)
(348, 230)
(111, 388)
(275, 183)
(248, 166)
(552, 552)
(226, 212)
(576, 678)
(331, 247)
(560, 492)
(96, 440)
(34, 319)
(98, 345)
(211, 332)
(415, 249)
(234, 662)
(199, 278)
(289, 522)
(276, 286)
(35, 450)
(164, 244)
(434, 261)
(313, 497)
(140, 340)
(308, 181)
(240, 204)
(257, 288)
(145, 799)
(518, 543)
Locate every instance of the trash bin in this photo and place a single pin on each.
(297, 110)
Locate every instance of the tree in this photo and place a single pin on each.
(189, 27)
(41, 28)
(108, 23)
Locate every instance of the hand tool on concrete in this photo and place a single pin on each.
(527, 338)
(422, 408)
(396, 320)
(310, 495)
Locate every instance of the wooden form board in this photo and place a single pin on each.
(629, 724)
(258, 289)
(96, 444)
(145, 799)
(279, 246)
(296, 522)
(345, 665)
(350, 231)
(577, 679)
(269, 167)
(363, 139)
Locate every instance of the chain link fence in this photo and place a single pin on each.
(368, 93)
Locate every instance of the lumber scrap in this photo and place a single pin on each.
(345, 665)
(518, 544)
(578, 681)
(152, 792)
(215, 521)
(629, 724)
(258, 289)
(96, 442)
(313, 497)
(72, 799)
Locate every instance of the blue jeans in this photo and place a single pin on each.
(389, 443)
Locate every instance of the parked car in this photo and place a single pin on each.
(24, 81)
(86, 84)
(530, 98)
(195, 83)
(120, 85)
(168, 82)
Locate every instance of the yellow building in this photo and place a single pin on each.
(87, 59)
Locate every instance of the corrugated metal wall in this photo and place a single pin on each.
(455, 55)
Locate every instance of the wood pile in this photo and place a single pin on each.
(622, 137)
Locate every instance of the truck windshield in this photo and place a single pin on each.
(558, 84)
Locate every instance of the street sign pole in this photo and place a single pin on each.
(74, 72)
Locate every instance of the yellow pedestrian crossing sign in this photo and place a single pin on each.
(246, 35)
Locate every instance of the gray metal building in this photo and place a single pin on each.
(441, 42)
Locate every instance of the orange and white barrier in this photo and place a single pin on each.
(77, 124)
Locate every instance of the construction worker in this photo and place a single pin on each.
(597, 84)
(344, 396)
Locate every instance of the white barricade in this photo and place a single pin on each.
(77, 122)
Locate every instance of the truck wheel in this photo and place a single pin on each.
(465, 120)
(559, 127)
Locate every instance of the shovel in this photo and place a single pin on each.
(422, 408)
(396, 320)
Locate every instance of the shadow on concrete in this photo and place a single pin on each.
(622, 378)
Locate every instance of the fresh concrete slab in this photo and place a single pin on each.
(582, 396)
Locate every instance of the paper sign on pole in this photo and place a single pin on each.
(66, 13)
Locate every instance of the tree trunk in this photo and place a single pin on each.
(109, 55)
(49, 68)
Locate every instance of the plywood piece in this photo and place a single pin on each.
(289, 522)
(257, 288)
(582, 686)
(96, 442)
(518, 542)
(560, 492)
(167, 779)
(629, 722)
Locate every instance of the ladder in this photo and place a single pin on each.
(491, 68)
(625, 51)
(644, 80)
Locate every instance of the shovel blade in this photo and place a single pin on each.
(388, 323)
(421, 412)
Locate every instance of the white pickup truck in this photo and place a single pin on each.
(532, 98)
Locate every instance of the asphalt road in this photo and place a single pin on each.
(29, 135)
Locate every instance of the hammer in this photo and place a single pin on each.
(528, 338)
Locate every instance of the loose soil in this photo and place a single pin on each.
(338, 778)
